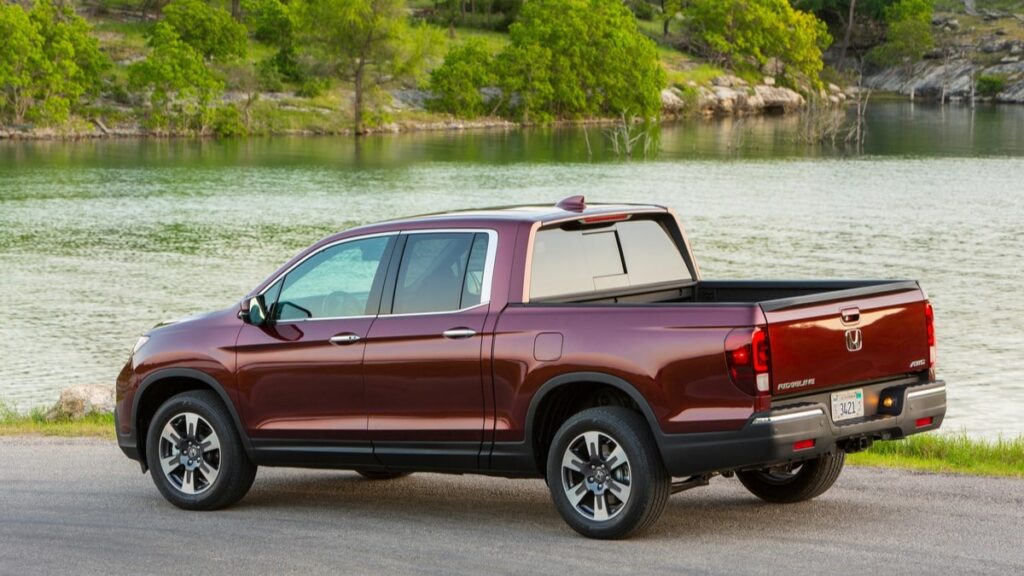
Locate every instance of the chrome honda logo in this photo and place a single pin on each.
(854, 340)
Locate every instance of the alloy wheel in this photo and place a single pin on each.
(190, 455)
(596, 476)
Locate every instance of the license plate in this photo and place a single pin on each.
(847, 405)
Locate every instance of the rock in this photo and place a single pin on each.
(729, 81)
(768, 81)
(1016, 48)
(999, 32)
(833, 89)
(1010, 60)
(773, 67)
(779, 99)
(993, 46)
(725, 99)
(79, 401)
(953, 24)
(670, 102)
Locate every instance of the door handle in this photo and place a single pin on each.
(456, 333)
(346, 338)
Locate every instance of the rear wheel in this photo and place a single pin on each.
(195, 454)
(795, 482)
(381, 474)
(605, 473)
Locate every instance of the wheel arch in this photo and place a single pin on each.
(162, 384)
(593, 381)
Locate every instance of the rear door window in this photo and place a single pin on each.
(442, 271)
(581, 260)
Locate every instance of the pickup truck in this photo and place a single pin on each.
(576, 343)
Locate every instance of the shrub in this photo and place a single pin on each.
(211, 31)
(990, 85)
(227, 122)
(313, 87)
(747, 33)
(575, 58)
(181, 87)
(270, 21)
(456, 83)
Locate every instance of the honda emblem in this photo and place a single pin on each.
(854, 340)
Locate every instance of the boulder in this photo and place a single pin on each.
(768, 81)
(79, 401)
(729, 81)
(773, 67)
(779, 99)
(671, 102)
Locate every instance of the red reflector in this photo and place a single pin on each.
(929, 322)
(803, 445)
(605, 218)
(922, 422)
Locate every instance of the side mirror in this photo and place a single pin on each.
(257, 312)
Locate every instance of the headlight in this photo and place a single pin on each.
(139, 344)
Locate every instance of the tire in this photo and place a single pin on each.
(807, 480)
(381, 474)
(212, 471)
(641, 477)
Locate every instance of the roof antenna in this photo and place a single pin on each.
(572, 204)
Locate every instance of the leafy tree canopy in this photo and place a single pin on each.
(456, 83)
(48, 61)
(576, 58)
(211, 31)
(909, 33)
(748, 32)
(180, 85)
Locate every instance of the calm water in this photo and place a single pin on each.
(99, 241)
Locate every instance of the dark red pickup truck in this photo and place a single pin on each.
(574, 343)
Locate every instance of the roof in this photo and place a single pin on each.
(533, 213)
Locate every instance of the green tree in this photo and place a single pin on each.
(909, 33)
(211, 31)
(744, 33)
(48, 61)
(366, 41)
(574, 58)
(181, 88)
(21, 58)
(456, 83)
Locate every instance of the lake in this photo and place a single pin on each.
(101, 240)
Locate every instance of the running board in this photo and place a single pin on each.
(691, 482)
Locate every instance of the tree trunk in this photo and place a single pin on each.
(236, 10)
(357, 112)
(849, 33)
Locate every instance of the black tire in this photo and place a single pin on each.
(382, 474)
(235, 472)
(811, 479)
(648, 482)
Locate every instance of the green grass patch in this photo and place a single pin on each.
(13, 423)
(957, 453)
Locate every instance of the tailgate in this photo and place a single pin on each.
(831, 339)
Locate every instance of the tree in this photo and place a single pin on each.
(575, 58)
(211, 31)
(744, 33)
(908, 37)
(366, 41)
(456, 83)
(48, 61)
(181, 88)
(669, 10)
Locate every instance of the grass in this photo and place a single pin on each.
(13, 423)
(957, 453)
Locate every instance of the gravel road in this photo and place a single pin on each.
(78, 506)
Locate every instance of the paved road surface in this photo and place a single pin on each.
(79, 507)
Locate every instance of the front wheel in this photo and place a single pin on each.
(794, 482)
(605, 473)
(195, 454)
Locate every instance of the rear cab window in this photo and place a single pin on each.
(578, 260)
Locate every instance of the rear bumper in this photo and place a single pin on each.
(768, 438)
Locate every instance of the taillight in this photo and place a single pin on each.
(748, 357)
(929, 322)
